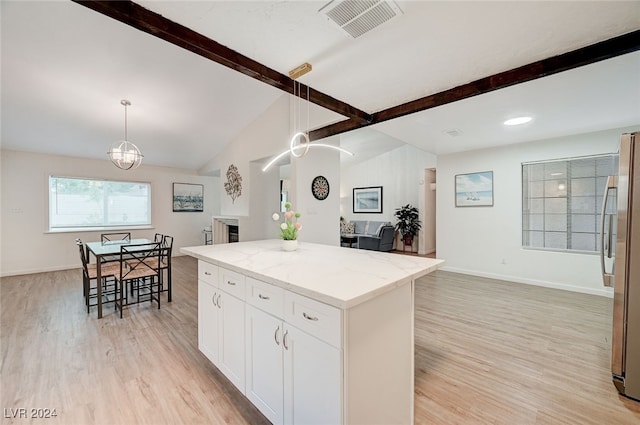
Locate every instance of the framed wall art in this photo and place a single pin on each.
(188, 197)
(367, 199)
(474, 189)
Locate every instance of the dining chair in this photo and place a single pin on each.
(158, 237)
(140, 269)
(90, 273)
(164, 264)
(113, 237)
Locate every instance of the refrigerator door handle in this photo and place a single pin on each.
(607, 278)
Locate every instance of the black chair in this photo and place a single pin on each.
(140, 268)
(115, 237)
(382, 242)
(165, 263)
(158, 237)
(90, 273)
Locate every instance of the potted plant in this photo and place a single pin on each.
(408, 223)
(289, 227)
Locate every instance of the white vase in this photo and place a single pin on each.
(289, 245)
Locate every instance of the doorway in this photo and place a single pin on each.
(429, 213)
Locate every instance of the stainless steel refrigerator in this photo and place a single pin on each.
(621, 265)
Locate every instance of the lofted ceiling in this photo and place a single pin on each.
(65, 69)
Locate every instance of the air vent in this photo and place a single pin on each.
(453, 132)
(358, 17)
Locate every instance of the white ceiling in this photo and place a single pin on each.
(65, 69)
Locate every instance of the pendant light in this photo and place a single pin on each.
(124, 154)
(299, 144)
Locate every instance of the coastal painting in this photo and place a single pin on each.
(474, 189)
(188, 197)
(367, 199)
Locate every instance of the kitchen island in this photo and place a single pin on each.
(319, 335)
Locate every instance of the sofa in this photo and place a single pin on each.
(372, 235)
(383, 241)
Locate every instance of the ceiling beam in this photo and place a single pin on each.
(607, 49)
(152, 23)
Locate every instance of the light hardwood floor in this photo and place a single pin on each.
(487, 352)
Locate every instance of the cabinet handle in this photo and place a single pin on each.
(262, 297)
(231, 283)
(306, 316)
(207, 273)
(213, 299)
(219, 304)
(284, 340)
(275, 335)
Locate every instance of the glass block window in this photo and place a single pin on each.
(562, 202)
(76, 203)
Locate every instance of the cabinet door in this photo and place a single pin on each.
(208, 320)
(231, 329)
(264, 363)
(312, 380)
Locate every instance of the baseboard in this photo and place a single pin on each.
(40, 270)
(53, 269)
(604, 292)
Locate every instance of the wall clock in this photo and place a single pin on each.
(320, 188)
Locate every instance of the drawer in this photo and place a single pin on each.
(266, 297)
(318, 319)
(208, 273)
(232, 283)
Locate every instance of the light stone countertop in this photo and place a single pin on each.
(341, 277)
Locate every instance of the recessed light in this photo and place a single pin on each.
(556, 174)
(517, 121)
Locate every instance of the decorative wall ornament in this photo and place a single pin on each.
(320, 188)
(233, 185)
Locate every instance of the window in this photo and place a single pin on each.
(562, 202)
(85, 203)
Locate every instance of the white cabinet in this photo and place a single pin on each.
(208, 310)
(265, 363)
(292, 376)
(208, 320)
(231, 338)
(301, 361)
(312, 380)
(221, 320)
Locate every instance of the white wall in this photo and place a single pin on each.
(487, 241)
(264, 138)
(26, 247)
(320, 219)
(263, 202)
(399, 172)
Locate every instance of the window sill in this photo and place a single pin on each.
(98, 229)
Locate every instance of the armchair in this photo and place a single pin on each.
(382, 242)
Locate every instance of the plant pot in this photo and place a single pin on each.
(408, 240)
(289, 245)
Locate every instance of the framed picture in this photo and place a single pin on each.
(188, 197)
(474, 189)
(367, 199)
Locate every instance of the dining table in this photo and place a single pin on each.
(102, 250)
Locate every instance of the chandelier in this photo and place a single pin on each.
(124, 154)
(299, 144)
